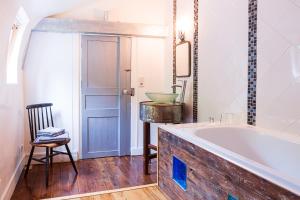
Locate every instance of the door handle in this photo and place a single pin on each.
(130, 91)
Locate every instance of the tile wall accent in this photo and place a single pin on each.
(195, 63)
(174, 42)
(252, 62)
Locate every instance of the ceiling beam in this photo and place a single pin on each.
(100, 27)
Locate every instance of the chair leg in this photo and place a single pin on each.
(29, 161)
(47, 166)
(71, 158)
(51, 156)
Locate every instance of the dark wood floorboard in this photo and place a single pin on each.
(94, 175)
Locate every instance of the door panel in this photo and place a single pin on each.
(101, 130)
(102, 59)
(97, 101)
(103, 105)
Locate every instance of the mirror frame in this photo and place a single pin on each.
(189, 57)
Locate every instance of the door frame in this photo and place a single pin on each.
(78, 96)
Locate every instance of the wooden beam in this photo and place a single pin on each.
(103, 27)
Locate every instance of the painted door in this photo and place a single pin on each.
(105, 109)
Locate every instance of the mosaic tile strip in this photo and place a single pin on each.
(252, 62)
(174, 42)
(195, 62)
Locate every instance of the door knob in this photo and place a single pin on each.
(128, 91)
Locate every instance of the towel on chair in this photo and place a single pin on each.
(50, 132)
(51, 135)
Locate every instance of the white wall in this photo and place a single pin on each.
(223, 49)
(148, 63)
(11, 109)
(278, 88)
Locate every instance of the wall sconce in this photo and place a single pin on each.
(181, 35)
(182, 26)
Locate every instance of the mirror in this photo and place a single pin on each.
(183, 59)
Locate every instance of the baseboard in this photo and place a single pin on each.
(8, 191)
(136, 151)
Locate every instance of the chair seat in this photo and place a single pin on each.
(51, 145)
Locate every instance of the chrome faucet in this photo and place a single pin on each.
(228, 117)
(183, 88)
(176, 86)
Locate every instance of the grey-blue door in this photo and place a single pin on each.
(106, 68)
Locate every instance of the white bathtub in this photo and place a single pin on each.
(271, 155)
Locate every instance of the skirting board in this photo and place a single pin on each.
(13, 180)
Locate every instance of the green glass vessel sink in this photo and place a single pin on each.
(162, 97)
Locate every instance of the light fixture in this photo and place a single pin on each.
(182, 26)
(181, 35)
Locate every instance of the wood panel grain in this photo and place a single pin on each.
(210, 176)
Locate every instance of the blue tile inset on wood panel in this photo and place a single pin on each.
(231, 197)
(179, 172)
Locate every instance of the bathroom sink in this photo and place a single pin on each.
(162, 97)
(153, 112)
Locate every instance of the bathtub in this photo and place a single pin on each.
(271, 155)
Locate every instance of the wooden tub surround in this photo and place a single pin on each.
(210, 176)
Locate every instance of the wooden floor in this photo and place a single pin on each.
(145, 193)
(94, 175)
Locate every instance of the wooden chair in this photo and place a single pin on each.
(40, 117)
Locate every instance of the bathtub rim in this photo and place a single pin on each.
(265, 172)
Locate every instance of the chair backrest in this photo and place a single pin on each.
(40, 117)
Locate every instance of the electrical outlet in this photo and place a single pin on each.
(21, 149)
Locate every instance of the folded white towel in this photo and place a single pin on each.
(50, 139)
(51, 132)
